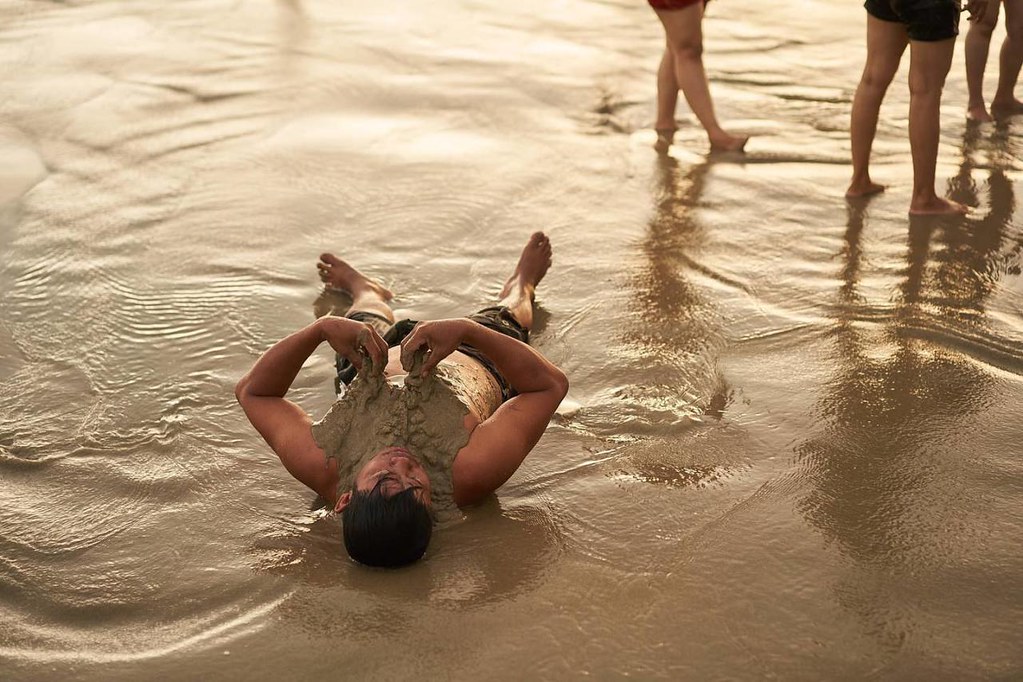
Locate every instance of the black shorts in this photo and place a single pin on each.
(498, 318)
(925, 20)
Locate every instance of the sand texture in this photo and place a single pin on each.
(425, 415)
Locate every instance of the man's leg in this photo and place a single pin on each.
(667, 99)
(928, 67)
(684, 31)
(518, 291)
(367, 295)
(1010, 59)
(886, 41)
(978, 42)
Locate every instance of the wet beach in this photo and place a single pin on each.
(791, 445)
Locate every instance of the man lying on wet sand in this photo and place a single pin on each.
(385, 494)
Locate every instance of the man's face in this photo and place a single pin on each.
(391, 471)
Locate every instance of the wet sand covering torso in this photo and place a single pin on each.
(430, 416)
(791, 445)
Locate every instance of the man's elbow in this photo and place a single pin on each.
(241, 389)
(560, 383)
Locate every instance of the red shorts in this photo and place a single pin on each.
(673, 4)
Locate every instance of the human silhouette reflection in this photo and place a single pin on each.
(673, 339)
(971, 262)
(886, 465)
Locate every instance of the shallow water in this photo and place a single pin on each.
(791, 444)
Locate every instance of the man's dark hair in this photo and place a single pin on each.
(386, 531)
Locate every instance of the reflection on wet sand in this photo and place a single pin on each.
(675, 329)
(171, 170)
(675, 335)
(887, 466)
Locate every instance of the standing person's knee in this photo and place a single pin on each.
(926, 84)
(687, 49)
(984, 28)
(878, 75)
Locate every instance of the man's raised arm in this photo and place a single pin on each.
(283, 424)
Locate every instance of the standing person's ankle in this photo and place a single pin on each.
(861, 185)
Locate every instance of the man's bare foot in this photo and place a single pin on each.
(338, 274)
(1008, 108)
(937, 206)
(517, 294)
(863, 188)
(724, 142)
(532, 266)
(979, 113)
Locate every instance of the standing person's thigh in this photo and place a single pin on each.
(990, 20)
(886, 41)
(1013, 17)
(929, 62)
(683, 27)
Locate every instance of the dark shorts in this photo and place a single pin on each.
(925, 20)
(673, 4)
(498, 318)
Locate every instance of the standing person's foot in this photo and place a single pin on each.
(723, 142)
(532, 266)
(978, 113)
(665, 136)
(937, 206)
(863, 188)
(1011, 107)
(338, 274)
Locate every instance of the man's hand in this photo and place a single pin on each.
(350, 339)
(440, 337)
(976, 9)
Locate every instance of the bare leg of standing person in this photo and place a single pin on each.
(1010, 59)
(886, 41)
(683, 28)
(667, 100)
(978, 43)
(928, 67)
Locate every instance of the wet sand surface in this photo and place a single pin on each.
(791, 445)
